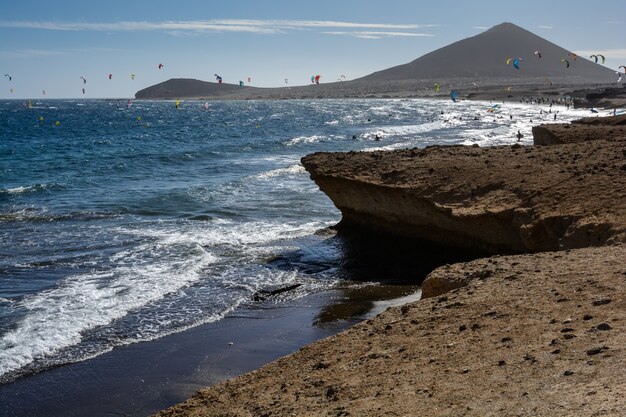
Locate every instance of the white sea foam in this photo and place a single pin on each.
(290, 170)
(56, 318)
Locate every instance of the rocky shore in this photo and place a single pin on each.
(534, 327)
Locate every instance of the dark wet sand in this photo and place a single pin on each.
(143, 378)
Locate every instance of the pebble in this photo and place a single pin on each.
(604, 326)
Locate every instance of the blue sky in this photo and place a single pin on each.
(50, 45)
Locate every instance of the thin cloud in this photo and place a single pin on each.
(545, 27)
(215, 25)
(480, 27)
(377, 35)
(34, 53)
(608, 53)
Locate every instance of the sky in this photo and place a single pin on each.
(48, 45)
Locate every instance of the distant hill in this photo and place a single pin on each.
(185, 87)
(477, 63)
(483, 58)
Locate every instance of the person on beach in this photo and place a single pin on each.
(519, 135)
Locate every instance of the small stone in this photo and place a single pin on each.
(556, 351)
(554, 342)
(596, 350)
(602, 301)
(501, 363)
(465, 370)
(552, 321)
(604, 326)
(567, 330)
(587, 317)
(475, 326)
(506, 339)
(568, 373)
(569, 336)
(462, 327)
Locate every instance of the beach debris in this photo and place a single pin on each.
(437, 87)
(538, 54)
(453, 95)
(565, 61)
(218, 78)
(7, 75)
(110, 76)
(161, 66)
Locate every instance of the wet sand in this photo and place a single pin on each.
(142, 378)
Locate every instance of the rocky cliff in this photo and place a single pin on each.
(510, 199)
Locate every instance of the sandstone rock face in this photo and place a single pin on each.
(589, 128)
(500, 200)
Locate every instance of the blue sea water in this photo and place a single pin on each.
(124, 225)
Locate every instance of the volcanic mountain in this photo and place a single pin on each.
(483, 57)
(185, 87)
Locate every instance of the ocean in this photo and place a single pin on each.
(123, 225)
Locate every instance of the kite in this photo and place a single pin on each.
(248, 79)
(603, 59)
(132, 76)
(286, 80)
(312, 78)
(508, 61)
(538, 54)
(218, 78)
(43, 92)
(84, 80)
(161, 66)
(437, 87)
(317, 79)
(516, 62)
(240, 83)
(573, 55)
(342, 77)
(453, 95)
(7, 75)
(110, 76)
(566, 62)
(622, 66)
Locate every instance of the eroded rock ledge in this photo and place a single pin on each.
(508, 199)
(586, 129)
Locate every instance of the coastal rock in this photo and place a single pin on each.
(508, 199)
(589, 128)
